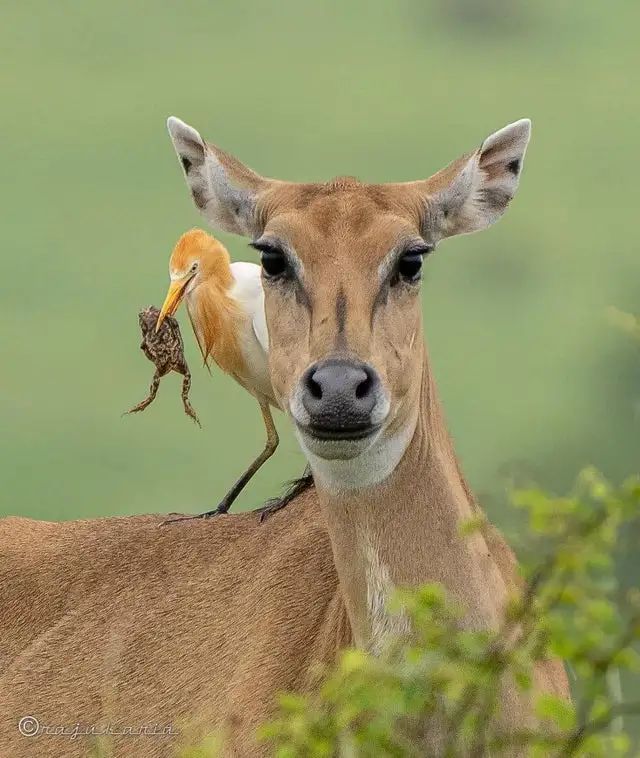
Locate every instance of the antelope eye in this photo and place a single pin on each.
(274, 262)
(410, 266)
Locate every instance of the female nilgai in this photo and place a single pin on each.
(202, 624)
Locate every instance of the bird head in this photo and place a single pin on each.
(197, 258)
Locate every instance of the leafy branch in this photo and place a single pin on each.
(446, 675)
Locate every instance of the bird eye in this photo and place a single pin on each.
(274, 262)
(194, 267)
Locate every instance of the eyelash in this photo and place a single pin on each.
(412, 259)
(275, 265)
(273, 260)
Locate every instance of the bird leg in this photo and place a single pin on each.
(188, 408)
(153, 391)
(269, 450)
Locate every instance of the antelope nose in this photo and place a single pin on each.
(339, 395)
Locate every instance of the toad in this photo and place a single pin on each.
(165, 349)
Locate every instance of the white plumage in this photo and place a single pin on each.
(247, 292)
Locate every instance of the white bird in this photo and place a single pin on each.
(225, 302)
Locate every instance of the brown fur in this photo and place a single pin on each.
(197, 624)
(201, 624)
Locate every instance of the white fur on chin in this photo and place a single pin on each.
(338, 474)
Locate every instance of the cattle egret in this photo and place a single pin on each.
(225, 303)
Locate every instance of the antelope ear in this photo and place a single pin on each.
(224, 190)
(474, 191)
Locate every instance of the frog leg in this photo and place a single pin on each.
(188, 408)
(153, 391)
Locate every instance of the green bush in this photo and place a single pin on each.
(569, 608)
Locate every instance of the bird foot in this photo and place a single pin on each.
(273, 506)
(221, 509)
(297, 487)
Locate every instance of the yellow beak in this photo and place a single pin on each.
(172, 300)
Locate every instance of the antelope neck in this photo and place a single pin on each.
(404, 531)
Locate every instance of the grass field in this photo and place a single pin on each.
(531, 374)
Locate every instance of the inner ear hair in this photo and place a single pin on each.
(473, 192)
(223, 189)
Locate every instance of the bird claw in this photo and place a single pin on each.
(295, 488)
(220, 510)
(270, 508)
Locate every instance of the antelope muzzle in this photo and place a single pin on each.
(340, 400)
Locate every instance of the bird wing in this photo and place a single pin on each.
(247, 290)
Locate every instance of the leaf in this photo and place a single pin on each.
(556, 709)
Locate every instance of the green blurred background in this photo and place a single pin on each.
(532, 376)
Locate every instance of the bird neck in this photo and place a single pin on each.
(217, 319)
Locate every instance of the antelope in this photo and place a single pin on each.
(199, 624)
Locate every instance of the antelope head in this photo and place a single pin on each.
(342, 266)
